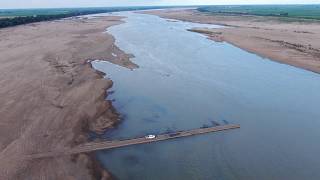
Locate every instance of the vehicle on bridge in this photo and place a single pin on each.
(150, 136)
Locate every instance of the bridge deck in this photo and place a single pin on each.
(95, 146)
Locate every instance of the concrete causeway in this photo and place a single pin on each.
(95, 146)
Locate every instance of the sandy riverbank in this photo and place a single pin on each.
(50, 96)
(294, 43)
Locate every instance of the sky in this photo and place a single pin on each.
(5, 4)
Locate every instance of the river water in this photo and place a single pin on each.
(185, 81)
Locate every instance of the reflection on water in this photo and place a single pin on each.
(186, 81)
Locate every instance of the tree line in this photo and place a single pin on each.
(8, 22)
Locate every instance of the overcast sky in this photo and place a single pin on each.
(94, 3)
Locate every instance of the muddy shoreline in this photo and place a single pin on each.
(292, 43)
(51, 97)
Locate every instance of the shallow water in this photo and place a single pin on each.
(185, 81)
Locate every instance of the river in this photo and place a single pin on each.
(186, 81)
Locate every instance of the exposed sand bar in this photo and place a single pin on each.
(293, 43)
(50, 96)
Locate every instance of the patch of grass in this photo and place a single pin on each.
(286, 12)
(31, 12)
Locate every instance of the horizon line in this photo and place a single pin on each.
(123, 6)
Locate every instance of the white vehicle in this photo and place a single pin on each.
(150, 136)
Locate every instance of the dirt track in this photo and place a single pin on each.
(50, 96)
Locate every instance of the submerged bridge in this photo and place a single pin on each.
(95, 146)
